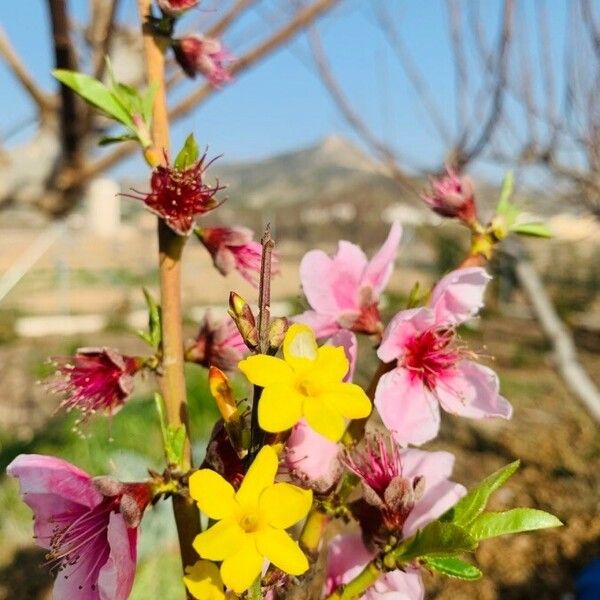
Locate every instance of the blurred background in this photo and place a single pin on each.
(338, 112)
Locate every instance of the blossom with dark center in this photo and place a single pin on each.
(95, 379)
(218, 344)
(452, 196)
(179, 195)
(344, 290)
(403, 490)
(232, 248)
(176, 7)
(89, 526)
(197, 54)
(432, 367)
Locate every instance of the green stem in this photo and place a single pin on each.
(360, 584)
(255, 591)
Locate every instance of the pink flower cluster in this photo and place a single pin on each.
(197, 54)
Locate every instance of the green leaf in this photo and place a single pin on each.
(493, 524)
(115, 139)
(414, 297)
(154, 334)
(94, 92)
(188, 155)
(532, 229)
(436, 539)
(148, 102)
(508, 185)
(453, 567)
(471, 505)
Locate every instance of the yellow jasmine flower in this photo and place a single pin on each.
(251, 522)
(203, 581)
(307, 382)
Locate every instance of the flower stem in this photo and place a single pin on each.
(172, 380)
(361, 583)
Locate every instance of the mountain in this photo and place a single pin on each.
(322, 170)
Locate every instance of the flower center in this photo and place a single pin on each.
(431, 353)
(306, 386)
(250, 521)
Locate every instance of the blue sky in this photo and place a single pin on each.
(281, 104)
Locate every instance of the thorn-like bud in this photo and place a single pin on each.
(241, 313)
(223, 395)
(277, 331)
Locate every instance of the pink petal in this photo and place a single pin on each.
(458, 296)
(76, 583)
(116, 577)
(440, 493)
(39, 474)
(312, 457)
(406, 408)
(397, 585)
(323, 325)
(380, 267)
(347, 340)
(404, 326)
(434, 503)
(472, 390)
(347, 556)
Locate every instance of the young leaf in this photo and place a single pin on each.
(471, 505)
(415, 296)
(532, 229)
(435, 539)
(115, 139)
(173, 435)
(453, 567)
(492, 524)
(148, 102)
(506, 192)
(154, 334)
(94, 92)
(188, 155)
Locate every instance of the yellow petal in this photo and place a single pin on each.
(324, 419)
(259, 476)
(214, 495)
(220, 541)
(300, 347)
(281, 550)
(279, 408)
(331, 364)
(203, 581)
(348, 399)
(265, 370)
(284, 504)
(240, 569)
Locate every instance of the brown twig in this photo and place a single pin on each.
(45, 103)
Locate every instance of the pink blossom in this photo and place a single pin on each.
(344, 291)
(95, 379)
(432, 367)
(403, 490)
(348, 556)
(309, 457)
(218, 344)
(197, 54)
(179, 195)
(89, 526)
(176, 7)
(232, 248)
(452, 196)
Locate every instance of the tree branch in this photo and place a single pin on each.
(45, 103)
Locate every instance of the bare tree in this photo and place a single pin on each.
(64, 136)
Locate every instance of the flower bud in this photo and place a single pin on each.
(242, 315)
(175, 8)
(452, 196)
(223, 395)
(277, 330)
(196, 54)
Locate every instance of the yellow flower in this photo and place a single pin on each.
(307, 383)
(250, 523)
(203, 581)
